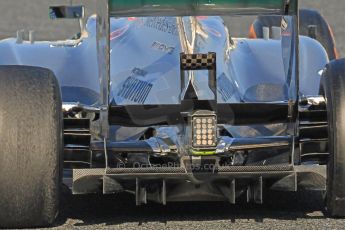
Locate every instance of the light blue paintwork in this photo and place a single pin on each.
(146, 50)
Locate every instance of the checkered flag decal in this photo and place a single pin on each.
(198, 61)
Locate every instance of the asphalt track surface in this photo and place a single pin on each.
(302, 210)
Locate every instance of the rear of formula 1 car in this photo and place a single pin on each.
(218, 126)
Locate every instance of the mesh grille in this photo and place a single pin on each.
(268, 168)
(146, 170)
(79, 173)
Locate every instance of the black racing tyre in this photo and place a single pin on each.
(333, 84)
(30, 147)
(308, 19)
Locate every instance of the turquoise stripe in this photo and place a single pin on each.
(130, 4)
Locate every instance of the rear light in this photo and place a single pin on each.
(204, 130)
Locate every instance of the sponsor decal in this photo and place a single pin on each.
(118, 33)
(139, 72)
(225, 87)
(135, 90)
(284, 24)
(286, 34)
(201, 17)
(163, 24)
(163, 47)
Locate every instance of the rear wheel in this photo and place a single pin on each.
(30, 146)
(333, 84)
(311, 24)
